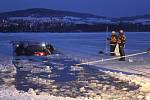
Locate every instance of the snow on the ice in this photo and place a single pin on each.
(83, 47)
(12, 94)
(6, 57)
(139, 80)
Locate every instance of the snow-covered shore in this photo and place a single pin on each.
(99, 90)
(106, 92)
(12, 94)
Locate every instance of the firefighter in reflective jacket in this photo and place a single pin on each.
(113, 43)
(121, 42)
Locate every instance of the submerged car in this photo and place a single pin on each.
(28, 48)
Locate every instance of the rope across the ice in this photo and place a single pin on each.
(109, 59)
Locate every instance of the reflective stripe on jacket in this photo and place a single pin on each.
(113, 39)
(121, 39)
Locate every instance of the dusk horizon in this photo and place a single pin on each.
(106, 8)
(73, 12)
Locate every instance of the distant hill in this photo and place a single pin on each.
(41, 12)
(135, 17)
(48, 20)
(140, 19)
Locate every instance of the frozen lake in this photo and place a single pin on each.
(48, 74)
(84, 45)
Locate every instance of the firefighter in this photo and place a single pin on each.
(121, 42)
(49, 49)
(113, 43)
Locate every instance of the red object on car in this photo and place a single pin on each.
(40, 54)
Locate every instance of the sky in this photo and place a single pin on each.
(108, 8)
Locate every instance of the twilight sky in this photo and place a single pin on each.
(110, 8)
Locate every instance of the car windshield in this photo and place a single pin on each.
(35, 48)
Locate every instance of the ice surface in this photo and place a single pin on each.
(78, 47)
(86, 47)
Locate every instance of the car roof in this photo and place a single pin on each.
(29, 42)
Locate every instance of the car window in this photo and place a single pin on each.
(35, 48)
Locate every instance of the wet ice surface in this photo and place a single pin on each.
(57, 76)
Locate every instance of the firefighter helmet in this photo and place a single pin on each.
(113, 32)
(121, 31)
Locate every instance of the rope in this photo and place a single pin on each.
(109, 59)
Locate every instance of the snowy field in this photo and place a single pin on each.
(51, 77)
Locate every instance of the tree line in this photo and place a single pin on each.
(7, 25)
